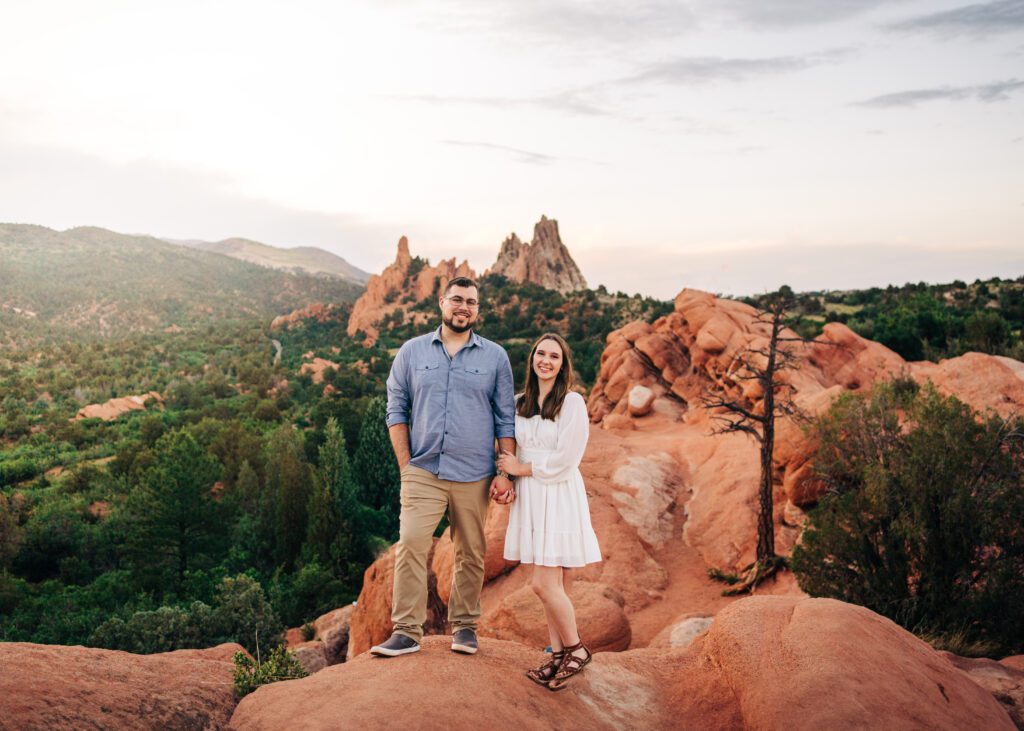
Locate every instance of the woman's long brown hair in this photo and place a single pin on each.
(564, 381)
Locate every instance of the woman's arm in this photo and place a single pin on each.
(573, 432)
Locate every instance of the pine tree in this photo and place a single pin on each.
(289, 484)
(173, 518)
(247, 488)
(375, 467)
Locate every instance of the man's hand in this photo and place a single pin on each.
(502, 491)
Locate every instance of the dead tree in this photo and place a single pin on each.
(762, 365)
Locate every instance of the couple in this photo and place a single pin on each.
(450, 395)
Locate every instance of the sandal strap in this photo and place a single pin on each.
(550, 668)
(572, 664)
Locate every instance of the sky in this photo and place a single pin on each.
(727, 145)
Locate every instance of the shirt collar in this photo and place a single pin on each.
(474, 339)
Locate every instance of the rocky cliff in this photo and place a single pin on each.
(544, 261)
(404, 282)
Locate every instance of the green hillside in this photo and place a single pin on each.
(299, 259)
(922, 321)
(88, 283)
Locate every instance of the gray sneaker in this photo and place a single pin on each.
(397, 644)
(464, 641)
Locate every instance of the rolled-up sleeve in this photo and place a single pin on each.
(503, 400)
(398, 389)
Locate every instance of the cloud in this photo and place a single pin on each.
(787, 13)
(572, 101)
(979, 19)
(532, 158)
(691, 70)
(995, 92)
(572, 23)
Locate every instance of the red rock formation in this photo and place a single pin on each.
(316, 367)
(599, 614)
(316, 311)
(397, 288)
(695, 349)
(544, 261)
(330, 640)
(110, 410)
(57, 687)
(1003, 679)
(766, 662)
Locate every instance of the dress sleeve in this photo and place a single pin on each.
(573, 431)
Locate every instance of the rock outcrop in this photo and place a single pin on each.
(401, 285)
(316, 367)
(110, 410)
(1004, 679)
(765, 662)
(695, 350)
(544, 261)
(57, 687)
(317, 311)
(329, 644)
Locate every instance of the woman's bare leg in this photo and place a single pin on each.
(558, 609)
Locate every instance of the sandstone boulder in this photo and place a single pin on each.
(1005, 681)
(599, 617)
(683, 631)
(113, 408)
(641, 399)
(310, 655)
(58, 687)
(765, 663)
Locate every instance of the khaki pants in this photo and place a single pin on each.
(424, 501)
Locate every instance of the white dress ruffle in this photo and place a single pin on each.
(549, 521)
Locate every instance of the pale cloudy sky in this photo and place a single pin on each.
(729, 145)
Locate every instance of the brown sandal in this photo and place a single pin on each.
(544, 674)
(571, 665)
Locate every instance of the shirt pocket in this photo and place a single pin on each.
(426, 375)
(477, 378)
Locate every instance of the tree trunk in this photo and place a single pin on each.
(765, 513)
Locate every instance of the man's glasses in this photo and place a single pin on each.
(460, 301)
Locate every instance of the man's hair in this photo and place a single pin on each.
(460, 282)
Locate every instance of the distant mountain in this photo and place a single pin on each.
(308, 259)
(87, 283)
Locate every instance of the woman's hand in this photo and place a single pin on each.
(507, 462)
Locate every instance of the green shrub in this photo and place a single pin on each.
(251, 674)
(922, 520)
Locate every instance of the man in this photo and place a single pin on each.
(450, 395)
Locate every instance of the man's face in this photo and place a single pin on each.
(459, 308)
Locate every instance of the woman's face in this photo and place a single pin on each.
(547, 360)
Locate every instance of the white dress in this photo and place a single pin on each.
(549, 521)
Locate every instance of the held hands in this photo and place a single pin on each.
(502, 490)
(507, 462)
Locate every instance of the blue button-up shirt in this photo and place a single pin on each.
(455, 407)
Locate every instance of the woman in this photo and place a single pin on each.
(549, 522)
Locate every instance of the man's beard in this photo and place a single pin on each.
(450, 324)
